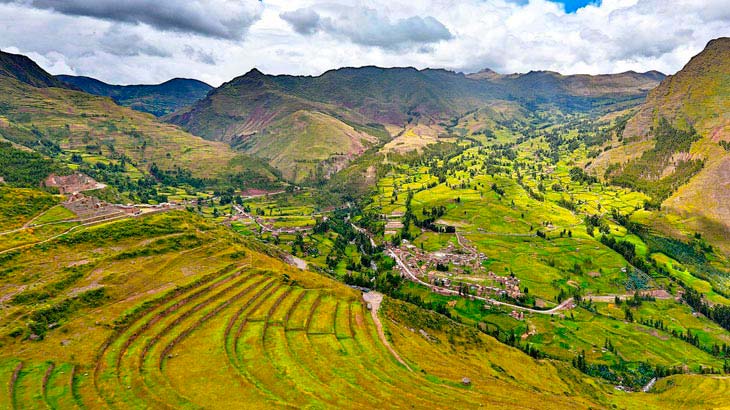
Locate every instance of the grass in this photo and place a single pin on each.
(59, 385)
(56, 214)
(307, 146)
(19, 205)
(29, 384)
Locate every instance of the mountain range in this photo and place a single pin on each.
(310, 127)
(257, 112)
(368, 237)
(41, 113)
(156, 99)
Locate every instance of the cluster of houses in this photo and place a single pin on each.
(517, 314)
(453, 268)
(510, 284)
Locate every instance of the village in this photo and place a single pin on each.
(456, 269)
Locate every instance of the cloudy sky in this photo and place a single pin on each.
(149, 41)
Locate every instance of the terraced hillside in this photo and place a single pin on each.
(171, 311)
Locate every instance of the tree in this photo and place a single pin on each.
(629, 315)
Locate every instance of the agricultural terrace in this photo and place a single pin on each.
(170, 310)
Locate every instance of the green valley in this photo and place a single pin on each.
(365, 238)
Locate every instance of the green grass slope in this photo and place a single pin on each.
(308, 146)
(54, 120)
(695, 98)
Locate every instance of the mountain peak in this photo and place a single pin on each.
(25, 70)
(254, 73)
(485, 74)
(182, 80)
(719, 43)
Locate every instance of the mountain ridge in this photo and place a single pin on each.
(25, 70)
(394, 98)
(156, 99)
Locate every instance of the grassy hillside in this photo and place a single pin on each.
(395, 96)
(77, 128)
(157, 99)
(308, 146)
(696, 99)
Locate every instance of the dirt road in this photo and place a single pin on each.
(565, 305)
(374, 299)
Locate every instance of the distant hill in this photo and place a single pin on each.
(255, 108)
(25, 70)
(541, 83)
(157, 99)
(59, 122)
(680, 137)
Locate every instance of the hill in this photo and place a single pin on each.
(679, 138)
(25, 70)
(52, 120)
(319, 145)
(543, 83)
(372, 98)
(75, 130)
(157, 99)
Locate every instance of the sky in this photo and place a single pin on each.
(151, 41)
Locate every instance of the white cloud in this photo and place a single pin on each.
(366, 26)
(229, 19)
(309, 37)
